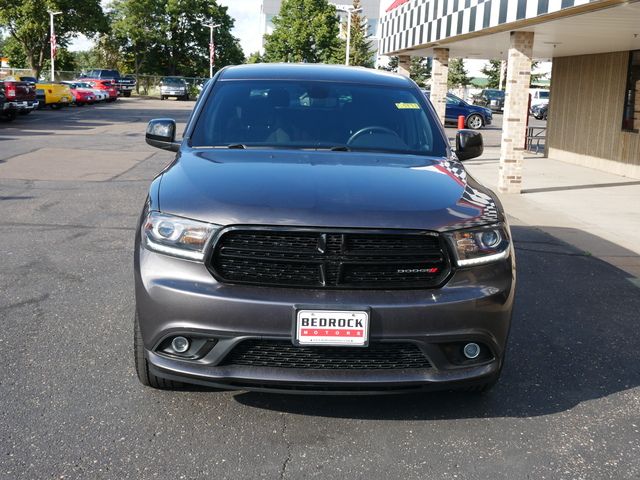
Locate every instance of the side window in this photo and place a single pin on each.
(631, 110)
(453, 101)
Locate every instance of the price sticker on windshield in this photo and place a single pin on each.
(407, 106)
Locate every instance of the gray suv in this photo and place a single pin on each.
(316, 233)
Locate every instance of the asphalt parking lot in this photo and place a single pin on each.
(72, 184)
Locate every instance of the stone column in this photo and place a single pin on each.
(516, 110)
(439, 79)
(404, 65)
(636, 113)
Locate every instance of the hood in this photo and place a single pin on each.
(324, 189)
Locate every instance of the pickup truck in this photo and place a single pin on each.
(125, 85)
(5, 109)
(19, 96)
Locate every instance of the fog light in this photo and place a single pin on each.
(471, 350)
(181, 344)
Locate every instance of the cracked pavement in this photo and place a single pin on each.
(567, 406)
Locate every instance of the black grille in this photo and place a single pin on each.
(283, 354)
(330, 259)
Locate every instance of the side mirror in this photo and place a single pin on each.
(469, 144)
(161, 133)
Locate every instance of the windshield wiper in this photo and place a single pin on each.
(236, 146)
(340, 148)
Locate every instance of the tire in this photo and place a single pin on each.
(55, 106)
(127, 93)
(475, 121)
(162, 97)
(147, 378)
(8, 117)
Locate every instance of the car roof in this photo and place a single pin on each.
(318, 72)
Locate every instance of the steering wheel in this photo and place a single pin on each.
(372, 129)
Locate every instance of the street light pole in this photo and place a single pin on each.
(211, 45)
(54, 45)
(349, 10)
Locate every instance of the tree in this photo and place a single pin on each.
(492, 71)
(458, 75)
(420, 71)
(304, 31)
(392, 66)
(185, 46)
(167, 37)
(27, 22)
(134, 24)
(15, 53)
(255, 57)
(360, 50)
(87, 59)
(536, 77)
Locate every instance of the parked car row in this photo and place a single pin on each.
(124, 84)
(21, 95)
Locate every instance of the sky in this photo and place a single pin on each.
(248, 29)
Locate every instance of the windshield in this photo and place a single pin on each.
(544, 94)
(318, 115)
(172, 81)
(494, 94)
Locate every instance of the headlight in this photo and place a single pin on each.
(480, 245)
(176, 236)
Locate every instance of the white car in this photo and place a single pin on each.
(539, 96)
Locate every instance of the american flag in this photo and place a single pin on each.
(212, 53)
(54, 46)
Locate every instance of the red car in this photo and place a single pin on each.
(81, 96)
(106, 85)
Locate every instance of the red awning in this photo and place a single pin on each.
(396, 4)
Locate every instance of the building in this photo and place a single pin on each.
(594, 111)
(370, 9)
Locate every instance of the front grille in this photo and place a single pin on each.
(283, 354)
(330, 259)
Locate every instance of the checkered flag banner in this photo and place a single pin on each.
(481, 208)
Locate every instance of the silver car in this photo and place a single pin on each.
(174, 87)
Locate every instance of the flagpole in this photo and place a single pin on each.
(54, 45)
(211, 46)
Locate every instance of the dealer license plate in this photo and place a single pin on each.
(332, 327)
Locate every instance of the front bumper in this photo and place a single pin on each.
(172, 92)
(175, 297)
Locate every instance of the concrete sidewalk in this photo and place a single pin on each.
(597, 212)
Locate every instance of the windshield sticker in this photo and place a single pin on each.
(407, 106)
